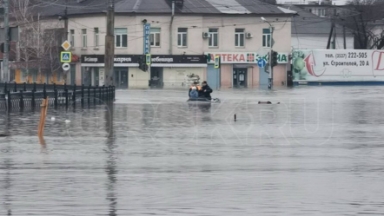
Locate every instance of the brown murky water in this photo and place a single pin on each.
(319, 152)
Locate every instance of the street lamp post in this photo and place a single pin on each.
(270, 78)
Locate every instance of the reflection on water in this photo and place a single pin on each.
(318, 152)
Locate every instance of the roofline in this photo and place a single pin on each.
(178, 14)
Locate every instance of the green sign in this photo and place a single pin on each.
(217, 61)
(148, 59)
(65, 57)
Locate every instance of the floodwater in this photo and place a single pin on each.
(319, 152)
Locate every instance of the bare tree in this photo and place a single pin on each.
(38, 46)
(363, 19)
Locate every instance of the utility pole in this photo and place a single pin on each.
(334, 39)
(332, 29)
(6, 42)
(344, 36)
(66, 19)
(270, 58)
(109, 45)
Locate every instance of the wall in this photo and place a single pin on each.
(226, 75)
(280, 75)
(137, 78)
(253, 76)
(319, 42)
(196, 25)
(182, 77)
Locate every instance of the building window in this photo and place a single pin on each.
(96, 39)
(321, 12)
(84, 37)
(266, 37)
(121, 37)
(154, 37)
(239, 37)
(72, 38)
(213, 37)
(182, 39)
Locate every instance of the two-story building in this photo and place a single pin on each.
(181, 35)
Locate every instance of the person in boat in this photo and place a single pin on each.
(194, 91)
(206, 90)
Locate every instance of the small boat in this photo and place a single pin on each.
(204, 100)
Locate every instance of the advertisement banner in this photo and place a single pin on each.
(244, 57)
(147, 32)
(338, 65)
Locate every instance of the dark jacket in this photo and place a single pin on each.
(207, 93)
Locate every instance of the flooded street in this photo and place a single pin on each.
(319, 152)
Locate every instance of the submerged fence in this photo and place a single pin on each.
(29, 96)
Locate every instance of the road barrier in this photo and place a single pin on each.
(29, 96)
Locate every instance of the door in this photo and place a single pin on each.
(263, 77)
(240, 77)
(86, 76)
(73, 74)
(121, 78)
(213, 77)
(96, 77)
(156, 77)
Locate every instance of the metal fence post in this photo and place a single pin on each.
(21, 101)
(9, 100)
(82, 95)
(94, 94)
(103, 92)
(56, 98)
(44, 91)
(99, 95)
(14, 87)
(25, 86)
(74, 95)
(66, 97)
(33, 103)
(89, 94)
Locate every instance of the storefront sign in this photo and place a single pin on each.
(338, 65)
(244, 57)
(169, 59)
(117, 59)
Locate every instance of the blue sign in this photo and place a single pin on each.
(261, 63)
(65, 57)
(147, 32)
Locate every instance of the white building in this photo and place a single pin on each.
(179, 43)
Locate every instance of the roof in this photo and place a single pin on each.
(307, 23)
(81, 7)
